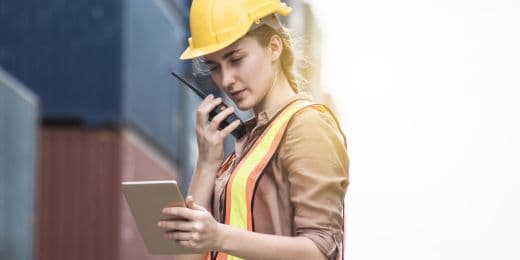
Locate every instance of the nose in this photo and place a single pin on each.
(228, 78)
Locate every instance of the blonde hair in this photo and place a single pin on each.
(288, 59)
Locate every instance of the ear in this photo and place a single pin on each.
(275, 47)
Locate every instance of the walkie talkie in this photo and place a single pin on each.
(238, 132)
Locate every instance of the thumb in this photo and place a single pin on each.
(192, 205)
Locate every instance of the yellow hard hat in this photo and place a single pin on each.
(215, 24)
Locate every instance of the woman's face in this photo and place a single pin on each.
(244, 70)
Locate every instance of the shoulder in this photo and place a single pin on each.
(314, 121)
(313, 145)
(314, 113)
(312, 133)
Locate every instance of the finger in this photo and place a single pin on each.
(207, 100)
(230, 128)
(205, 106)
(187, 243)
(179, 236)
(215, 122)
(180, 212)
(177, 225)
(190, 203)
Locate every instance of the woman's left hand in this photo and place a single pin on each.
(192, 227)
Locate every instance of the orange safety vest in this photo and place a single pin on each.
(243, 180)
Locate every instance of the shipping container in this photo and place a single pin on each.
(18, 129)
(103, 63)
(82, 212)
(67, 52)
(154, 35)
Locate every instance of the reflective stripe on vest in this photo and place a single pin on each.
(243, 180)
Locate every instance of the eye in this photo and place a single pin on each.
(236, 61)
(213, 68)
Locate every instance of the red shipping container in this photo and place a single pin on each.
(82, 213)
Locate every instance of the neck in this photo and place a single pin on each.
(277, 96)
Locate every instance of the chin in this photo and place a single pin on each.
(243, 107)
(245, 104)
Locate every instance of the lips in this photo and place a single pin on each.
(237, 94)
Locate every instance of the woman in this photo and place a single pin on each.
(280, 194)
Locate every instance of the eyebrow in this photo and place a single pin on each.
(208, 62)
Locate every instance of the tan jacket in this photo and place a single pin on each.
(301, 190)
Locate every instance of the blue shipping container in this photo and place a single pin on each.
(97, 63)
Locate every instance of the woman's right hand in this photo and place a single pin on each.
(210, 139)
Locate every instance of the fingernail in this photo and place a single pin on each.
(160, 224)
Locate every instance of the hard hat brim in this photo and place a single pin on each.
(191, 52)
(284, 10)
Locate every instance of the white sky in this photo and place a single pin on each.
(427, 92)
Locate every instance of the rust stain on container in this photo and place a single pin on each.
(81, 210)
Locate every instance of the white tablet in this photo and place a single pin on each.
(146, 200)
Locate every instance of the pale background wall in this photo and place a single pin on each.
(429, 94)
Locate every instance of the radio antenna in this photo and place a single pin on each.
(197, 90)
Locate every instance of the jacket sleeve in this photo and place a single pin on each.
(314, 157)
